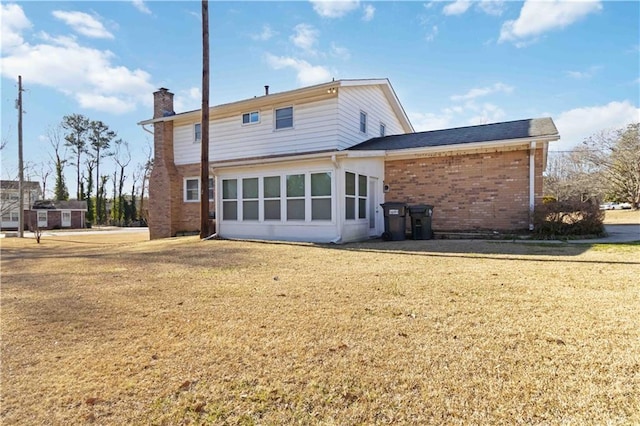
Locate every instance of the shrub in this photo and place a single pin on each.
(568, 218)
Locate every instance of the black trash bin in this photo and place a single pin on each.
(395, 214)
(421, 221)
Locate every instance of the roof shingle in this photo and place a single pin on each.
(520, 129)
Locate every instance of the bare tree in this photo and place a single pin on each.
(59, 158)
(616, 155)
(122, 157)
(146, 173)
(77, 126)
(100, 138)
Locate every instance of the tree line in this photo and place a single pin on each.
(91, 143)
(605, 167)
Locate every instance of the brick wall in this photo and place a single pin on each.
(483, 191)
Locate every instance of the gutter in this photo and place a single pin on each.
(145, 129)
(469, 146)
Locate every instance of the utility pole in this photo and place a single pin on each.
(204, 126)
(20, 165)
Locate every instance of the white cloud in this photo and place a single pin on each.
(188, 100)
(584, 75)
(340, 52)
(307, 74)
(83, 23)
(492, 7)
(266, 34)
(334, 9)
(423, 122)
(458, 7)
(431, 35)
(139, 4)
(578, 124)
(483, 91)
(487, 113)
(14, 21)
(369, 12)
(538, 17)
(88, 75)
(305, 37)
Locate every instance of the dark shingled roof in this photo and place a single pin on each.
(484, 133)
(14, 184)
(60, 205)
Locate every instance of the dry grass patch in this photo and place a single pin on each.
(622, 217)
(112, 329)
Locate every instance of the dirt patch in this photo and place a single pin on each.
(114, 329)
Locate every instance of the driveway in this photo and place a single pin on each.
(616, 234)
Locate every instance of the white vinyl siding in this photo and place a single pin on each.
(353, 101)
(321, 125)
(315, 130)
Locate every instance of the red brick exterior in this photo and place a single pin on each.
(54, 219)
(483, 191)
(164, 182)
(169, 215)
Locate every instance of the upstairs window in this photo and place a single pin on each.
(363, 122)
(284, 118)
(251, 117)
(197, 132)
(383, 129)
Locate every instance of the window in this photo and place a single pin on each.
(251, 117)
(230, 199)
(66, 218)
(362, 197)
(250, 199)
(363, 122)
(295, 197)
(321, 196)
(42, 218)
(197, 132)
(10, 216)
(284, 118)
(355, 196)
(383, 129)
(192, 189)
(271, 190)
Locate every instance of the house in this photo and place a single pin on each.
(314, 164)
(10, 201)
(49, 214)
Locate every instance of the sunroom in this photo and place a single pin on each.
(323, 197)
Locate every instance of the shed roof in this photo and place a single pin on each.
(510, 130)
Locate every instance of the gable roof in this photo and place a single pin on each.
(27, 185)
(543, 128)
(60, 205)
(289, 96)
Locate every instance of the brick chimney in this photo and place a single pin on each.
(162, 103)
(164, 182)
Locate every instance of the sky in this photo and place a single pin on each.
(451, 63)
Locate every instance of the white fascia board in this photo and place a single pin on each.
(329, 155)
(365, 154)
(460, 148)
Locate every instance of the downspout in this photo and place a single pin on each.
(336, 167)
(532, 180)
(146, 130)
